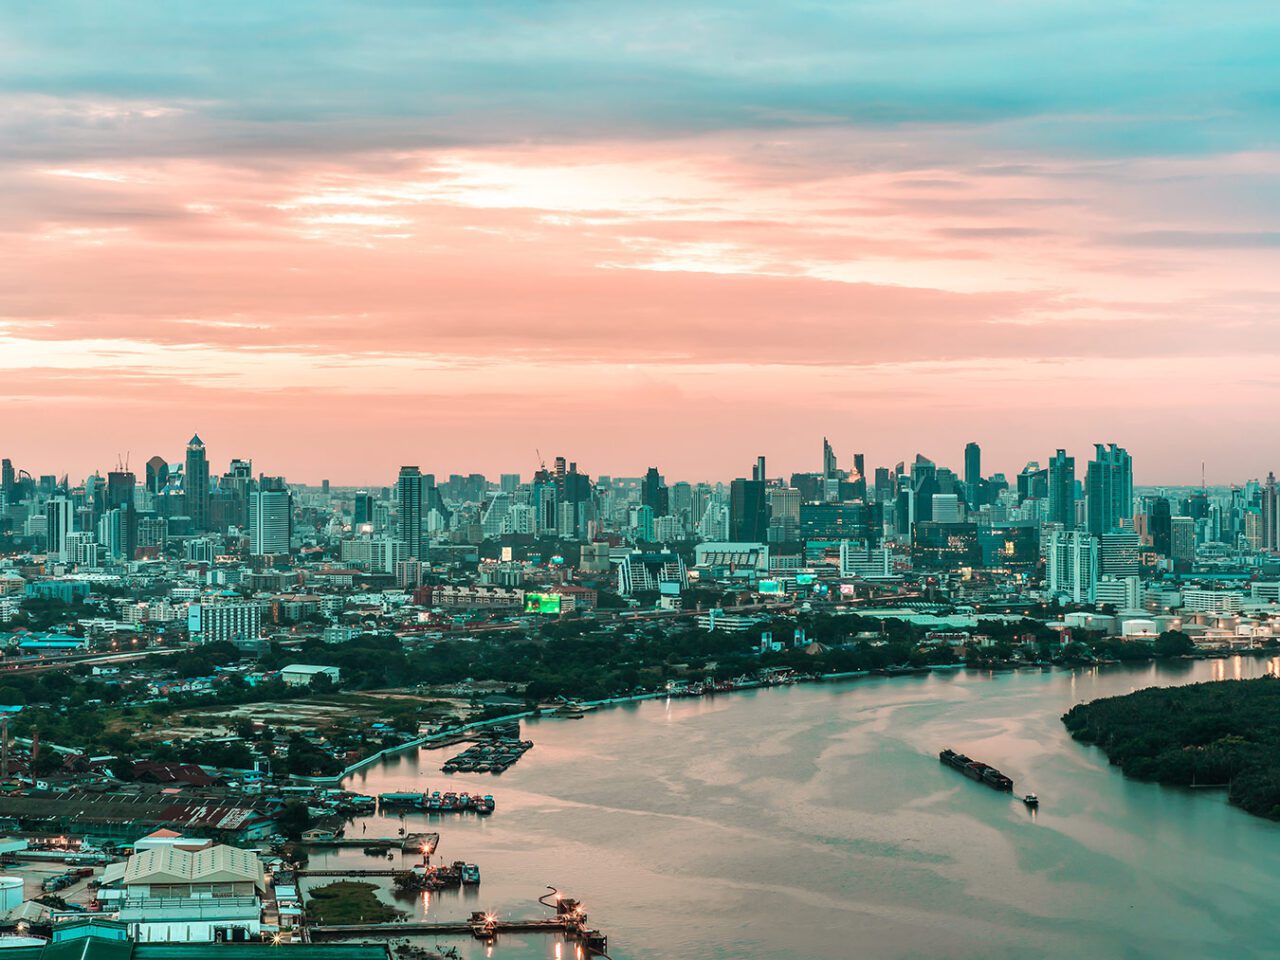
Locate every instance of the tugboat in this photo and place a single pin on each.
(1031, 800)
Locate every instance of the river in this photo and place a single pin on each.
(815, 821)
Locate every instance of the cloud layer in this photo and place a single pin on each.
(339, 237)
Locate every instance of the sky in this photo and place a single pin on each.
(339, 237)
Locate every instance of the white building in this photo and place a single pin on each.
(226, 621)
(1212, 601)
(863, 561)
(168, 894)
(1071, 571)
(270, 519)
(302, 674)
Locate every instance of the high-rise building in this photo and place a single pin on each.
(196, 478)
(157, 474)
(1062, 490)
(226, 621)
(1108, 489)
(829, 463)
(758, 472)
(59, 513)
(972, 466)
(1182, 541)
(409, 495)
(1071, 565)
(270, 518)
(1159, 516)
(654, 494)
(8, 483)
(1270, 515)
(1120, 554)
(748, 511)
(362, 512)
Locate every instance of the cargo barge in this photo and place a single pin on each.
(976, 770)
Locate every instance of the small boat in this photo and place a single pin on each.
(470, 874)
(1031, 800)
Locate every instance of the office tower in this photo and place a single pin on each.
(1159, 516)
(1033, 482)
(153, 532)
(1182, 541)
(111, 532)
(748, 511)
(1062, 490)
(1120, 554)
(409, 495)
(829, 464)
(270, 517)
(1071, 565)
(1270, 515)
(654, 494)
(509, 482)
(758, 471)
(858, 479)
(196, 478)
(157, 474)
(946, 508)
(58, 513)
(119, 496)
(884, 485)
(7, 483)
(362, 513)
(972, 466)
(1108, 489)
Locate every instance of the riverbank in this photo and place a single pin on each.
(439, 736)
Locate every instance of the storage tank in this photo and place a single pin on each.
(11, 893)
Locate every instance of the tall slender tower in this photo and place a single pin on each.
(197, 484)
(409, 493)
(1062, 490)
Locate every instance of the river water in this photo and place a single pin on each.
(815, 821)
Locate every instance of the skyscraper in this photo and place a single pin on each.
(972, 465)
(1270, 515)
(1062, 490)
(157, 473)
(270, 517)
(829, 465)
(59, 516)
(653, 493)
(1108, 489)
(748, 511)
(7, 482)
(409, 494)
(197, 484)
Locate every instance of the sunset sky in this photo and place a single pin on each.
(340, 237)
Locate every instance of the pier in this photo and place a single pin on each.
(424, 843)
(570, 919)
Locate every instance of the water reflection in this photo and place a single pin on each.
(678, 819)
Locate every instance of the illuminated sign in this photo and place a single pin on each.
(542, 603)
(848, 589)
(770, 586)
(804, 579)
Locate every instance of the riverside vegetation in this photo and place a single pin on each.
(1224, 733)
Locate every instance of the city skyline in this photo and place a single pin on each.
(403, 228)
(264, 463)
